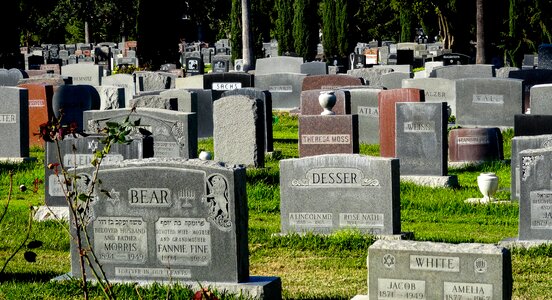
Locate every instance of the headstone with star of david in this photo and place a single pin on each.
(172, 220)
(78, 152)
(403, 269)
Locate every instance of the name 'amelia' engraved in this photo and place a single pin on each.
(472, 140)
(335, 177)
(337, 139)
(462, 290)
(488, 99)
(419, 126)
(149, 197)
(435, 263)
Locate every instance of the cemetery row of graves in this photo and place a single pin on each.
(311, 174)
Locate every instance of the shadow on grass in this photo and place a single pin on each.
(43, 276)
(285, 141)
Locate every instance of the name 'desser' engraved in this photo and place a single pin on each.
(541, 209)
(8, 118)
(419, 126)
(488, 99)
(435, 263)
(149, 197)
(329, 139)
(400, 289)
(226, 86)
(467, 291)
(335, 177)
(368, 111)
(311, 219)
(473, 140)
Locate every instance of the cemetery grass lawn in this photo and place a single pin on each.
(310, 266)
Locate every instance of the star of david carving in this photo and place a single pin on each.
(388, 260)
(93, 145)
(113, 196)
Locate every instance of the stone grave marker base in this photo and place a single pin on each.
(258, 287)
(450, 181)
(44, 213)
(16, 160)
(407, 235)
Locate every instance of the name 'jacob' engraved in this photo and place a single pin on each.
(335, 177)
(149, 197)
(435, 263)
(419, 126)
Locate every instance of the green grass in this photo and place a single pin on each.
(310, 266)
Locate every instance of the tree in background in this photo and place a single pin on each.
(236, 29)
(480, 40)
(342, 20)
(284, 23)
(329, 32)
(305, 29)
(247, 49)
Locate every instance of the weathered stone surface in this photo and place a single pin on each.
(475, 144)
(464, 71)
(314, 68)
(386, 105)
(278, 64)
(435, 90)
(285, 88)
(88, 74)
(541, 99)
(427, 270)
(364, 103)
(153, 81)
(394, 80)
(328, 135)
(125, 81)
(154, 101)
(111, 97)
(326, 193)
(239, 131)
(371, 76)
(329, 82)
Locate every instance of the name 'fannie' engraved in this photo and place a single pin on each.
(368, 111)
(488, 99)
(419, 126)
(226, 86)
(311, 139)
(7, 118)
(149, 197)
(473, 140)
(435, 263)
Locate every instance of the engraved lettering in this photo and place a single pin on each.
(311, 219)
(435, 263)
(330, 139)
(183, 241)
(226, 86)
(8, 119)
(400, 289)
(280, 89)
(435, 94)
(488, 99)
(419, 127)
(470, 291)
(541, 209)
(368, 111)
(36, 103)
(120, 239)
(473, 140)
(149, 197)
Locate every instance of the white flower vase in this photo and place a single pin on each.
(327, 100)
(488, 185)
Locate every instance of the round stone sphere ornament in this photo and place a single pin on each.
(205, 155)
(488, 185)
(327, 100)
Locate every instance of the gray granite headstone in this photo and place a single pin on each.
(364, 103)
(89, 74)
(421, 138)
(111, 97)
(428, 270)
(14, 122)
(280, 64)
(394, 80)
(155, 101)
(326, 193)
(239, 129)
(535, 198)
(125, 81)
(541, 99)
(464, 71)
(520, 143)
(70, 101)
(314, 68)
(174, 133)
(285, 88)
(435, 90)
(545, 56)
(371, 76)
(488, 101)
(204, 112)
(266, 97)
(186, 100)
(175, 221)
(190, 82)
(78, 152)
(153, 81)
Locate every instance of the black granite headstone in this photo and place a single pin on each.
(525, 125)
(221, 82)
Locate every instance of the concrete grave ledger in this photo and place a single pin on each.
(326, 193)
(169, 220)
(427, 270)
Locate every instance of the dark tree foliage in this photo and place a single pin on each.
(9, 30)
(329, 32)
(236, 29)
(305, 29)
(283, 25)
